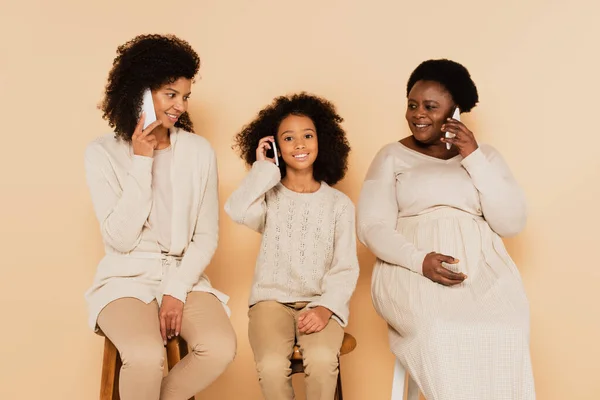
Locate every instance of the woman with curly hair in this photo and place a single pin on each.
(154, 192)
(307, 268)
(453, 298)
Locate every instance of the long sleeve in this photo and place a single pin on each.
(377, 216)
(502, 201)
(247, 205)
(123, 209)
(204, 240)
(339, 281)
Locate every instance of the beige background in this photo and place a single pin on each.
(536, 66)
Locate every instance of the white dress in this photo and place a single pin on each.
(465, 342)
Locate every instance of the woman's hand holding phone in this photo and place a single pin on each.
(463, 139)
(143, 141)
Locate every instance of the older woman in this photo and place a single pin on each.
(434, 217)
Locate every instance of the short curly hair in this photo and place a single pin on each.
(332, 160)
(146, 61)
(450, 74)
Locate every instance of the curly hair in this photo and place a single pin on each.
(332, 160)
(453, 76)
(147, 61)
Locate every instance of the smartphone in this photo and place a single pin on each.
(272, 153)
(455, 116)
(148, 108)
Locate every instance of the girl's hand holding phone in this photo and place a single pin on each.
(263, 145)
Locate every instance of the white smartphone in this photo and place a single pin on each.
(148, 108)
(455, 116)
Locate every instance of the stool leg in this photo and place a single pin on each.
(111, 366)
(173, 353)
(398, 381)
(183, 348)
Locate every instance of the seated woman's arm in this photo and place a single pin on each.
(121, 209)
(377, 216)
(502, 200)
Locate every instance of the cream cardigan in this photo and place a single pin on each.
(120, 184)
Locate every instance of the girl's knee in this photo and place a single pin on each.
(272, 366)
(321, 358)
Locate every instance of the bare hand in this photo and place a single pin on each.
(170, 315)
(434, 270)
(463, 139)
(143, 141)
(314, 320)
(263, 146)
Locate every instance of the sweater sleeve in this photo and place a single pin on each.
(247, 204)
(121, 208)
(502, 201)
(339, 282)
(377, 216)
(203, 245)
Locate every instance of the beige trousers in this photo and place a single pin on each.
(273, 331)
(134, 328)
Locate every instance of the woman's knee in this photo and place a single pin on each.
(143, 354)
(220, 347)
(225, 348)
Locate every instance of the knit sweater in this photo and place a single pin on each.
(308, 250)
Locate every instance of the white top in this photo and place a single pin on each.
(162, 198)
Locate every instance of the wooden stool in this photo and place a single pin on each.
(111, 365)
(348, 344)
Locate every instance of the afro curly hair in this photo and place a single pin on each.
(146, 61)
(332, 161)
(450, 74)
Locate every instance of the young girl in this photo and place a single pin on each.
(307, 268)
(154, 192)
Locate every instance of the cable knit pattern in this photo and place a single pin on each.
(308, 250)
